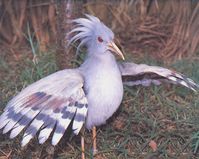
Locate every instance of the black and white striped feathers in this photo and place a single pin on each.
(142, 74)
(47, 106)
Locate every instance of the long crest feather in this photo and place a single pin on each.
(84, 30)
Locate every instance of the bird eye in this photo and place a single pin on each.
(100, 39)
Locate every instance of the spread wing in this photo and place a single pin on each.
(141, 74)
(47, 106)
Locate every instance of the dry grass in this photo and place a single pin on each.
(26, 12)
(169, 29)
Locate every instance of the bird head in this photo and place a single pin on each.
(96, 36)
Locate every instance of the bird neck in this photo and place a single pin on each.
(96, 60)
(101, 57)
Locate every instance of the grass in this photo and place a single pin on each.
(166, 114)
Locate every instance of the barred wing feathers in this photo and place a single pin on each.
(141, 74)
(47, 106)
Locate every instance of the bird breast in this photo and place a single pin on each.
(104, 91)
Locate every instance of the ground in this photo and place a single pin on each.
(152, 122)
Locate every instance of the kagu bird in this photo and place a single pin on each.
(86, 95)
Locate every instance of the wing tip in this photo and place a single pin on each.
(56, 138)
(42, 139)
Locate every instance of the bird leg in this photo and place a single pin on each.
(94, 141)
(82, 147)
(82, 143)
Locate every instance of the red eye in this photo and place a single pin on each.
(100, 39)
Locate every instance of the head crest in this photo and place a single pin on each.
(85, 29)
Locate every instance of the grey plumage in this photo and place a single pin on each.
(48, 103)
(142, 74)
(89, 94)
